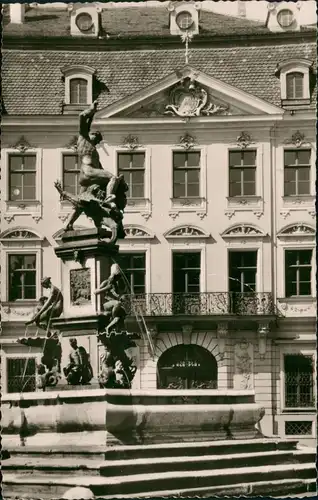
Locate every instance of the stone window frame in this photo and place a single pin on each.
(247, 203)
(196, 204)
(294, 242)
(294, 349)
(199, 245)
(5, 355)
(295, 65)
(20, 246)
(72, 73)
(142, 206)
(32, 208)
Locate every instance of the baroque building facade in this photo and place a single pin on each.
(211, 120)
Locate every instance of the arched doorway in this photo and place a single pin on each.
(187, 367)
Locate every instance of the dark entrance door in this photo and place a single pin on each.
(187, 367)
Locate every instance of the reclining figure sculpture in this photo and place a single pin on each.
(102, 195)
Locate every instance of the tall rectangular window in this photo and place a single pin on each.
(242, 271)
(295, 85)
(21, 375)
(78, 91)
(22, 276)
(298, 272)
(299, 381)
(132, 167)
(71, 173)
(22, 177)
(297, 172)
(186, 174)
(133, 266)
(186, 269)
(242, 173)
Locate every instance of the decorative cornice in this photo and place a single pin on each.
(136, 232)
(244, 140)
(297, 139)
(131, 142)
(296, 230)
(20, 234)
(22, 145)
(187, 141)
(243, 231)
(186, 231)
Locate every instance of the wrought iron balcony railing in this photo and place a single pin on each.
(197, 304)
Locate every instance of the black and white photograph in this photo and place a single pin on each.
(158, 250)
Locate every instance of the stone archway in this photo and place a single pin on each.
(187, 366)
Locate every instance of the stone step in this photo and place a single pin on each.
(60, 450)
(49, 486)
(294, 487)
(74, 466)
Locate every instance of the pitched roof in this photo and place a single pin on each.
(39, 88)
(127, 22)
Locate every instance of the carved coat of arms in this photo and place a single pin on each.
(189, 99)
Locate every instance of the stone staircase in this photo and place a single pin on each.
(223, 468)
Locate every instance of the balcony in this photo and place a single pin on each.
(200, 304)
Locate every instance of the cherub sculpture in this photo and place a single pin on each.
(49, 307)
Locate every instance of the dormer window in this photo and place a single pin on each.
(78, 91)
(295, 85)
(184, 20)
(78, 87)
(294, 81)
(285, 18)
(84, 22)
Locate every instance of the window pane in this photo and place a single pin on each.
(305, 274)
(249, 157)
(179, 190)
(70, 182)
(249, 188)
(179, 176)
(137, 191)
(289, 188)
(249, 174)
(15, 162)
(138, 261)
(290, 174)
(78, 91)
(305, 257)
(235, 175)
(179, 159)
(29, 292)
(291, 257)
(235, 189)
(304, 187)
(193, 159)
(139, 278)
(29, 278)
(303, 174)
(138, 160)
(193, 277)
(304, 156)
(29, 262)
(70, 162)
(234, 158)
(290, 157)
(193, 176)
(15, 187)
(137, 177)
(29, 193)
(193, 190)
(304, 288)
(29, 162)
(123, 160)
(193, 259)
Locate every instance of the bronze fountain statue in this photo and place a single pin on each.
(102, 195)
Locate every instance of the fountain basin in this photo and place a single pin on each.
(135, 416)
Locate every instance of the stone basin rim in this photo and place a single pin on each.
(42, 396)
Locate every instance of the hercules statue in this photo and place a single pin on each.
(102, 195)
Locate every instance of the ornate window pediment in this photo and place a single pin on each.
(297, 231)
(133, 232)
(243, 231)
(20, 234)
(186, 231)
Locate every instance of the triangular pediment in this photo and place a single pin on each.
(187, 94)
